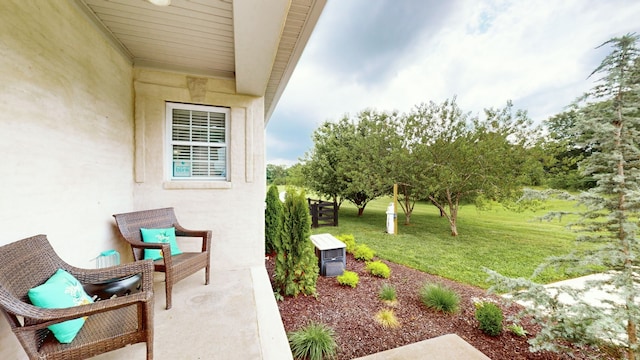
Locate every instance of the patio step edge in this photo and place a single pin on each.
(273, 337)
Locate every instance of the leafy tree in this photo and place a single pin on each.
(296, 268)
(562, 153)
(272, 219)
(349, 160)
(295, 177)
(367, 166)
(609, 121)
(405, 169)
(463, 157)
(276, 174)
(322, 166)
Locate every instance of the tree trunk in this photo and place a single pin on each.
(453, 203)
(633, 340)
(454, 228)
(360, 211)
(407, 218)
(622, 235)
(453, 211)
(405, 203)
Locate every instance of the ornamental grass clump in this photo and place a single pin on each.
(440, 298)
(315, 341)
(387, 292)
(379, 269)
(387, 318)
(363, 252)
(348, 278)
(490, 316)
(388, 295)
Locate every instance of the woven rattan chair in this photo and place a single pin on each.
(175, 267)
(110, 324)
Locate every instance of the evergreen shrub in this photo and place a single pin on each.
(490, 316)
(296, 270)
(273, 216)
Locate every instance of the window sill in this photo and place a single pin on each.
(191, 185)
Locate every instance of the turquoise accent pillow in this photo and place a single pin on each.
(62, 290)
(159, 236)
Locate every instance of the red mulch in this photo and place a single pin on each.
(351, 311)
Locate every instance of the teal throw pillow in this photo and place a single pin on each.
(62, 290)
(159, 236)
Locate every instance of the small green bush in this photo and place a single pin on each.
(489, 315)
(349, 241)
(518, 330)
(439, 297)
(348, 278)
(315, 341)
(363, 252)
(379, 269)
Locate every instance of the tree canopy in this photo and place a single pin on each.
(464, 157)
(437, 152)
(350, 158)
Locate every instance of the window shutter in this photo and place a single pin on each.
(198, 141)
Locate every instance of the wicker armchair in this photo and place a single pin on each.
(175, 267)
(110, 324)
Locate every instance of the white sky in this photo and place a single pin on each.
(395, 54)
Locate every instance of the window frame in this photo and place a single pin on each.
(170, 142)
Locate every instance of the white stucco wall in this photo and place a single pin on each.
(233, 210)
(77, 148)
(66, 129)
(66, 134)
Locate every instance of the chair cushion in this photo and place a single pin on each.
(61, 290)
(167, 235)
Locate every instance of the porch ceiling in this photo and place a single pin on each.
(256, 43)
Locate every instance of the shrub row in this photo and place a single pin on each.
(316, 340)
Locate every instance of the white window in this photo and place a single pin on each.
(198, 139)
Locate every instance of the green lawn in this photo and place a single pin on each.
(511, 243)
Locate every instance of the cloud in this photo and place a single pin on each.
(288, 139)
(366, 40)
(392, 55)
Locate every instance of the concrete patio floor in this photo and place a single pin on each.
(236, 317)
(445, 347)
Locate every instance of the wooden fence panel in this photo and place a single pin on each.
(323, 213)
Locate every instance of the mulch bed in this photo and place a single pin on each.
(351, 314)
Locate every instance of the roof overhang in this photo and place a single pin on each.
(256, 43)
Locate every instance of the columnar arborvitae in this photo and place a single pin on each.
(296, 263)
(273, 217)
(610, 125)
